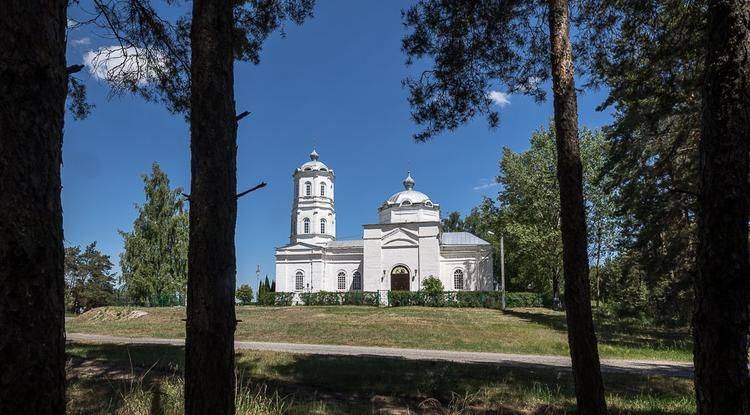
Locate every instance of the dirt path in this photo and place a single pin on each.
(643, 367)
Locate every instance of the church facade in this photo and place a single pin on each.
(406, 246)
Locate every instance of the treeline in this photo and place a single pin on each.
(153, 262)
(626, 278)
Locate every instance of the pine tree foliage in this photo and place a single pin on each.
(89, 280)
(154, 261)
(650, 55)
(475, 46)
(151, 56)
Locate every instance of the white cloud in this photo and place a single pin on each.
(81, 42)
(486, 184)
(501, 99)
(113, 63)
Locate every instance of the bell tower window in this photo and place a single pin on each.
(322, 189)
(323, 226)
(308, 189)
(306, 225)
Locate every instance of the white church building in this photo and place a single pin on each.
(406, 246)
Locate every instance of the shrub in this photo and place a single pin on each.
(245, 294)
(432, 285)
(406, 298)
(466, 299)
(338, 298)
(523, 299)
(275, 299)
(361, 298)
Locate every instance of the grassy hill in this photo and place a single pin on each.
(525, 331)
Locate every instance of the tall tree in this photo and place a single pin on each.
(529, 215)
(154, 259)
(652, 68)
(581, 337)
(209, 345)
(32, 103)
(476, 45)
(685, 94)
(189, 64)
(723, 279)
(245, 294)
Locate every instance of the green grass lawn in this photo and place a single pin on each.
(525, 331)
(146, 379)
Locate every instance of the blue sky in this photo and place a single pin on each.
(333, 84)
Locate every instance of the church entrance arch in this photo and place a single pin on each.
(400, 278)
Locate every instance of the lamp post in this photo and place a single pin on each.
(502, 270)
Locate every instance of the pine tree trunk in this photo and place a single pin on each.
(209, 354)
(33, 87)
(581, 337)
(722, 289)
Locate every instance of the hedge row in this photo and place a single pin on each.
(486, 299)
(341, 298)
(275, 299)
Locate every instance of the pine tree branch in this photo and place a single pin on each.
(74, 68)
(261, 185)
(242, 115)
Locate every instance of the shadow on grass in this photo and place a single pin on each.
(620, 332)
(101, 376)
(369, 384)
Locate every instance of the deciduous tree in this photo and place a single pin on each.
(245, 294)
(453, 223)
(154, 260)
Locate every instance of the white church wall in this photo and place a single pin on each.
(348, 262)
(372, 258)
(409, 214)
(286, 272)
(474, 261)
(429, 252)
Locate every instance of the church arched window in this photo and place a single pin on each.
(308, 189)
(342, 280)
(458, 279)
(322, 189)
(323, 226)
(299, 281)
(306, 225)
(356, 281)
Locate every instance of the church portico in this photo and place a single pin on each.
(407, 246)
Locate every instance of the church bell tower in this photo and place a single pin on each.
(313, 213)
